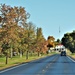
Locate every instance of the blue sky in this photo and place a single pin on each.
(49, 15)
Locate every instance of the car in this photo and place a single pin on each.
(63, 53)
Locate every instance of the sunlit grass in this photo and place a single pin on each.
(17, 60)
(71, 54)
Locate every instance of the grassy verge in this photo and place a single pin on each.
(17, 60)
(72, 55)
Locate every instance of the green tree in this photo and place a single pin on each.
(68, 41)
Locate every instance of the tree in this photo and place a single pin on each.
(68, 41)
(40, 40)
(11, 20)
(58, 40)
(50, 41)
(30, 37)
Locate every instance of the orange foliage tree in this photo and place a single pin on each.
(50, 41)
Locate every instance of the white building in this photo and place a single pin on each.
(60, 48)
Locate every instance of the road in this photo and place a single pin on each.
(51, 65)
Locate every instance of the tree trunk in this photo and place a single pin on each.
(7, 58)
(27, 55)
(11, 52)
(38, 53)
(20, 54)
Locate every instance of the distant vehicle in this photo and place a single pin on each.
(63, 53)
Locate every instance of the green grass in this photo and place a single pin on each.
(17, 60)
(71, 55)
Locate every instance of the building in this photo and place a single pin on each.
(60, 48)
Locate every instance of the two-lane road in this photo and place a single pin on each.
(51, 65)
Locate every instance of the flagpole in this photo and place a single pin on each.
(59, 33)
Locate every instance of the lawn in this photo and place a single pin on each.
(17, 60)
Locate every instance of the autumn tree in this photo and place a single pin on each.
(50, 40)
(39, 40)
(16, 35)
(29, 37)
(12, 18)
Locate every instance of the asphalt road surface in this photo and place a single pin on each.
(51, 65)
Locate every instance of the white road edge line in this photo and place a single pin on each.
(71, 59)
(13, 68)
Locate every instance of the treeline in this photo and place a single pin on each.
(17, 36)
(69, 41)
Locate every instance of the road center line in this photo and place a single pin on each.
(13, 68)
(71, 58)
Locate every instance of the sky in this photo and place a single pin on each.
(50, 15)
